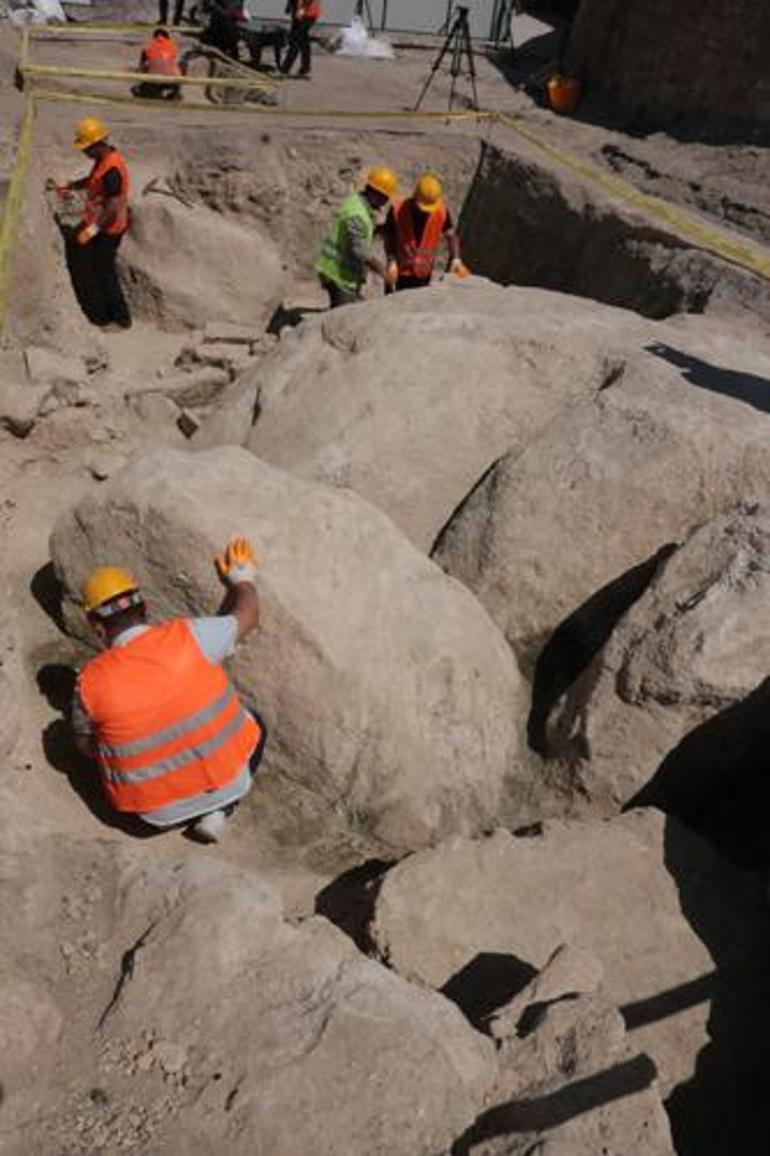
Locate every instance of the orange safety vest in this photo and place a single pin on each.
(167, 723)
(417, 260)
(161, 56)
(95, 196)
(309, 11)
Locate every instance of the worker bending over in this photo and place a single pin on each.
(104, 222)
(156, 710)
(414, 232)
(160, 57)
(346, 254)
(304, 15)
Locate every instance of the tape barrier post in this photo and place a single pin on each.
(12, 212)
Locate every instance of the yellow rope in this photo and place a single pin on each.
(12, 211)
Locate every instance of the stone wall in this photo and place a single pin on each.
(693, 59)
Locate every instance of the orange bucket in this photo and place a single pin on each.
(563, 94)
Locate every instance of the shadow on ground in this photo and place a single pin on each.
(348, 901)
(746, 387)
(577, 640)
(487, 982)
(725, 1107)
(716, 780)
(543, 1113)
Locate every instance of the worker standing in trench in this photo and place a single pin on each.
(156, 710)
(414, 232)
(346, 254)
(104, 222)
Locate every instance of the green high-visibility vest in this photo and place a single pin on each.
(335, 262)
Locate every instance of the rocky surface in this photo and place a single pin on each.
(567, 525)
(681, 675)
(384, 1067)
(392, 702)
(576, 1085)
(474, 917)
(413, 434)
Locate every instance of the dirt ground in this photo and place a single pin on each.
(279, 172)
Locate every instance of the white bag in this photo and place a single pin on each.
(356, 41)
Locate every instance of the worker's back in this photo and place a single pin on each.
(167, 722)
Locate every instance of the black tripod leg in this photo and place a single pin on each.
(434, 69)
(471, 65)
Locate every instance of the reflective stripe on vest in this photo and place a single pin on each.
(335, 261)
(167, 723)
(417, 260)
(95, 196)
(162, 57)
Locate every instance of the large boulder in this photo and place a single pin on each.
(408, 401)
(269, 1038)
(391, 699)
(184, 264)
(444, 916)
(679, 686)
(571, 524)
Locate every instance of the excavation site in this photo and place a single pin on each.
(385, 510)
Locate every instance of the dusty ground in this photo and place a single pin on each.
(309, 160)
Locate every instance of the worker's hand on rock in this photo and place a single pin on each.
(86, 234)
(391, 274)
(238, 564)
(458, 268)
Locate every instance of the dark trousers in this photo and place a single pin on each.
(163, 11)
(108, 305)
(412, 283)
(337, 295)
(299, 45)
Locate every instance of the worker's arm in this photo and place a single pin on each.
(237, 568)
(113, 186)
(242, 601)
(360, 249)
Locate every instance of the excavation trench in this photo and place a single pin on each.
(227, 224)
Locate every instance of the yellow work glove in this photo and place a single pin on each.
(238, 564)
(458, 268)
(391, 274)
(86, 234)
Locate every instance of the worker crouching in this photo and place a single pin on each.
(172, 742)
(414, 233)
(160, 57)
(346, 254)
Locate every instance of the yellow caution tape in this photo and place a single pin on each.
(72, 31)
(12, 212)
(683, 224)
(53, 70)
(47, 94)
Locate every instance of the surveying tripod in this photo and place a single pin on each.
(458, 43)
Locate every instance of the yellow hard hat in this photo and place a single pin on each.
(89, 132)
(384, 180)
(429, 193)
(104, 584)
